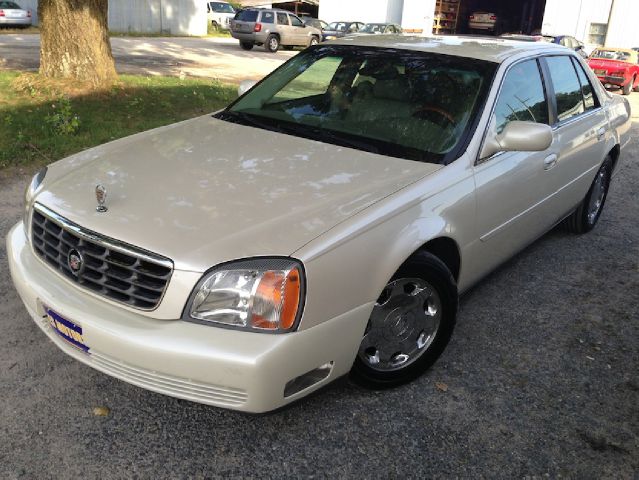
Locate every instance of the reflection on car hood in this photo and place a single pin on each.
(206, 191)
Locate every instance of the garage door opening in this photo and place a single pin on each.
(489, 17)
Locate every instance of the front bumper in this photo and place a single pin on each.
(222, 367)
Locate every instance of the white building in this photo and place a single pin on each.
(595, 22)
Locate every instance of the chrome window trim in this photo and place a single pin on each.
(481, 161)
(105, 241)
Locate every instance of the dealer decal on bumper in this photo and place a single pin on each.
(68, 330)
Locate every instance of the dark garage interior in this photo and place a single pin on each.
(524, 16)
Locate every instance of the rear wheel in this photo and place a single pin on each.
(635, 88)
(272, 43)
(627, 88)
(246, 45)
(587, 214)
(410, 325)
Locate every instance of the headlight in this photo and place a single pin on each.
(262, 294)
(30, 192)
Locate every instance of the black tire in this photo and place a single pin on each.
(427, 267)
(635, 89)
(313, 41)
(272, 43)
(583, 219)
(247, 45)
(627, 88)
(215, 25)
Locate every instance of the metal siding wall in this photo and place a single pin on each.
(418, 15)
(573, 17)
(354, 10)
(622, 31)
(175, 17)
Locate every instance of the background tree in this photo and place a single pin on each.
(74, 36)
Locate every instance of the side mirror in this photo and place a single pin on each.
(245, 86)
(518, 137)
(579, 47)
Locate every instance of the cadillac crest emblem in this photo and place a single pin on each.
(101, 196)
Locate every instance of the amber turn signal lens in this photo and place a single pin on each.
(276, 300)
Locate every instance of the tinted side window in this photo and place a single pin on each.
(590, 100)
(282, 18)
(522, 96)
(296, 22)
(268, 17)
(567, 88)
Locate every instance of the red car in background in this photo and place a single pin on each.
(616, 67)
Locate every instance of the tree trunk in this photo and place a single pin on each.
(74, 41)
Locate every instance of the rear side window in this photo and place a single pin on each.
(282, 19)
(268, 17)
(590, 100)
(296, 22)
(522, 97)
(567, 88)
(246, 16)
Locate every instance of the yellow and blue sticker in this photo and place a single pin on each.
(68, 330)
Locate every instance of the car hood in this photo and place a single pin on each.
(608, 64)
(206, 191)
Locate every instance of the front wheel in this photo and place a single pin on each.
(627, 88)
(314, 41)
(587, 214)
(410, 325)
(272, 43)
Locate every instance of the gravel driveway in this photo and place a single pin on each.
(541, 379)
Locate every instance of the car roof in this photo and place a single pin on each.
(491, 49)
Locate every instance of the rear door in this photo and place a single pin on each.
(284, 28)
(580, 128)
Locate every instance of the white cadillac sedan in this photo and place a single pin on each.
(323, 224)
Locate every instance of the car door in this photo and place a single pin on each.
(298, 30)
(509, 185)
(580, 127)
(284, 29)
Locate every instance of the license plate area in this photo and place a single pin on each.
(69, 331)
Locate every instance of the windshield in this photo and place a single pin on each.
(612, 55)
(374, 28)
(219, 7)
(405, 104)
(246, 15)
(10, 6)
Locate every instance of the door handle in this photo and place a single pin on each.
(601, 133)
(550, 161)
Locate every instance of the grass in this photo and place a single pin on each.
(27, 31)
(42, 120)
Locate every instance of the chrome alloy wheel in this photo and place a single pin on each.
(402, 326)
(273, 44)
(597, 195)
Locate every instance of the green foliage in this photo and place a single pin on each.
(63, 121)
(33, 133)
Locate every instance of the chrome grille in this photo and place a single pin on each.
(110, 268)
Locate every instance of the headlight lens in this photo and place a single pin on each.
(258, 294)
(30, 192)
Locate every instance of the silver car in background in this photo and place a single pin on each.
(12, 15)
(273, 29)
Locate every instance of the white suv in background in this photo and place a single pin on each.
(219, 14)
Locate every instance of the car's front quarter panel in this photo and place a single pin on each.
(349, 265)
